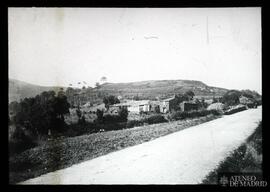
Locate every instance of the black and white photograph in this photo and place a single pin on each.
(164, 96)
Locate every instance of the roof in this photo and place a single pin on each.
(133, 103)
(155, 102)
(100, 107)
(189, 102)
(169, 99)
(88, 104)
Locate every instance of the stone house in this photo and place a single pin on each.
(167, 105)
(188, 106)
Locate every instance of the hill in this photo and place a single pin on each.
(153, 89)
(20, 90)
(162, 88)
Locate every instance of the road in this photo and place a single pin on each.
(184, 157)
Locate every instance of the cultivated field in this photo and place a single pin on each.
(62, 153)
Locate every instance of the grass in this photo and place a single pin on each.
(247, 158)
(62, 153)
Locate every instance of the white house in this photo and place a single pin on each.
(135, 106)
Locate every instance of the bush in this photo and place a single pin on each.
(20, 141)
(110, 100)
(82, 120)
(123, 114)
(42, 112)
(134, 123)
(111, 118)
(235, 109)
(149, 120)
(231, 97)
(179, 115)
(99, 115)
(80, 129)
(155, 119)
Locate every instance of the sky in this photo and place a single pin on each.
(61, 46)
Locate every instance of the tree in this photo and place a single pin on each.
(110, 100)
(123, 114)
(231, 97)
(203, 103)
(61, 106)
(251, 94)
(13, 106)
(136, 97)
(190, 94)
(181, 97)
(82, 120)
(157, 109)
(215, 100)
(78, 112)
(99, 115)
(197, 101)
(43, 112)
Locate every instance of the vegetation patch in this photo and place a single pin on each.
(64, 152)
(235, 109)
(178, 115)
(247, 158)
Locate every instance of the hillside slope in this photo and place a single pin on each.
(161, 88)
(20, 90)
(142, 90)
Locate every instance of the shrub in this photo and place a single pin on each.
(155, 119)
(179, 115)
(110, 100)
(82, 120)
(134, 123)
(157, 109)
(235, 109)
(20, 141)
(99, 115)
(42, 112)
(123, 114)
(79, 129)
(111, 118)
(231, 97)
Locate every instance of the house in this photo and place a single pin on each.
(93, 109)
(113, 109)
(188, 106)
(155, 106)
(87, 104)
(167, 105)
(135, 106)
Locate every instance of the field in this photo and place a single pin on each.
(62, 153)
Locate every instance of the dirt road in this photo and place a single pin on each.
(184, 157)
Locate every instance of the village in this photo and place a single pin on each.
(137, 109)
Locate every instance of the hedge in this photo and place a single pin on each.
(235, 110)
(179, 115)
